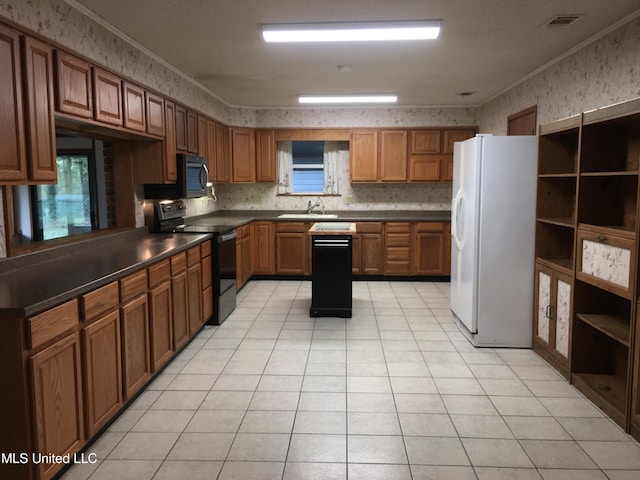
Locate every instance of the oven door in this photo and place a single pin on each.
(227, 261)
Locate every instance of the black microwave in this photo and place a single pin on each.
(193, 176)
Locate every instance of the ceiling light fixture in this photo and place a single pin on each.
(329, 99)
(352, 31)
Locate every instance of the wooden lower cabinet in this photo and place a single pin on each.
(194, 298)
(553, 311)
(244, 259)
(263, 247)
(429, 248)
(293, 250)
(160, 326)
(136, 368)
(397, 247)
(58, 401)
(367, 249)
(180, 305)
(102, 370)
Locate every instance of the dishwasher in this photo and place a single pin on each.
(331, 290)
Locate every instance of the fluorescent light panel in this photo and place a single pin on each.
(352, 32)
(335, 99)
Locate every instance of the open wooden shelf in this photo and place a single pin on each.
(622, 173)
(561, 222)
(563, 264)
(608, 392)
(611, 325)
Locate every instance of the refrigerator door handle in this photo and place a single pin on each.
(455, 221)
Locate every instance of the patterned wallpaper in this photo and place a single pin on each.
(601, 73)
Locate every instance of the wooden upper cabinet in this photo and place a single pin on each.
(74, 92)
(211, 149)
(40, 122)
(202, 136)
(107, 97)
(13, 156)
(425, 141)
(456, 135)
(170, 147)
(155, 114)
(393, 155)
(266, 168)
(364, 156)
(134, 107)
(192, 132)
(180, 127)
(223, 154)
(243, 155)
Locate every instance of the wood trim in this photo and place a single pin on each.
(9, 224)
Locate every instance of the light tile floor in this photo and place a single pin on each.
(394, 393)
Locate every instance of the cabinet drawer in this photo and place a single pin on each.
(398, 253)
(606, 260)
(296, 227)
(205, 249)
(193, 256)
(159, 272)
(430, 227)
(398, 227)
(398, 239)
(178, 263)
(397, 267)
(133, 285)
(50, 324)
(369, 227)
(99, 301)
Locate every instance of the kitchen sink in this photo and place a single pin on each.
(308, 215)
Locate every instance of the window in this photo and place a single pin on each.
(310, 167)
(76, 204)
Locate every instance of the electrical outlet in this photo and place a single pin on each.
(348, 199)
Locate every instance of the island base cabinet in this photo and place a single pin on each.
(58, 402)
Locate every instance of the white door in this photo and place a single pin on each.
(464, 221)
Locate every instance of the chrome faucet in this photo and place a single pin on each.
(319, 203)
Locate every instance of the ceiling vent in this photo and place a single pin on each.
(563, 20)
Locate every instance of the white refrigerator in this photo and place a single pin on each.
(492, 239)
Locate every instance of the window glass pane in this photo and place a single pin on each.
(65, 208)
(308, 180)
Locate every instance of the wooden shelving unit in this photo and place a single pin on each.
(587, 230)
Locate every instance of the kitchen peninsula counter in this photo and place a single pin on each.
(34, 282)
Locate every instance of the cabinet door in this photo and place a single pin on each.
(243, 156)
(136, 369)
(202, 137)
(266, 156)
(103, 374)
(393, 155)
(543, 305)
(134, 107)
(155, 114)
(13, 154)
(58, 401)
(160, 325)
(363, 159)
(181, 127)
(107, 97)
(447, 169)
(194, 298)
(192, 132)
(563, 313)
(211, 150)
(41, 129)
(74, 94)
(180, 304)
(247, 262)
(263, 247)
(223, 154)
(425, 168)
(425, 142)
(170, 162)
(456, 135)
(371, 251)
(356, 254)
(429, 248)
(291, 255)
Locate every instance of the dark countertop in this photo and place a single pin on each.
(237, 218)
(34, 282)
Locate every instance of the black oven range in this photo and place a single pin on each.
(167, 216)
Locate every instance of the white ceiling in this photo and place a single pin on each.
(484, 47)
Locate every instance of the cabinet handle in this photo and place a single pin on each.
(602, 239)
(548, 311)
